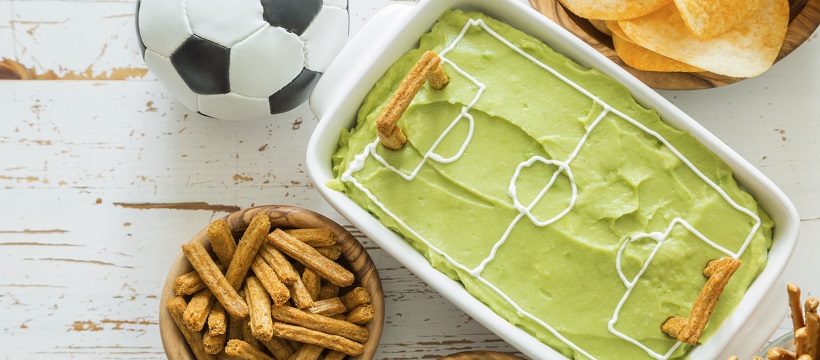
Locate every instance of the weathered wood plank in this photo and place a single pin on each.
(103, 180)
(72, 40)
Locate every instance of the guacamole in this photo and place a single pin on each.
(551, 194)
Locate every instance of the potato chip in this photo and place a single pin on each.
(709, 18)
(613, 9)
(642, 58)
(616, 30)
(746, 50)
(600, 25)
(646, 60)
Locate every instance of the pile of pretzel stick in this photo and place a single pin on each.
(287, 307)
(806, 325)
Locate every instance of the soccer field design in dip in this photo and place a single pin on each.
(541, 192)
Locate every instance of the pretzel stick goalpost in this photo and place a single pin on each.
(429, 69)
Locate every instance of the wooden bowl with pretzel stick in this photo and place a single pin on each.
(272, 282)
(803, 343)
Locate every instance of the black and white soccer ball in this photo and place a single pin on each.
(240, 59)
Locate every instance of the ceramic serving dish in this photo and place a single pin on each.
(396, 30)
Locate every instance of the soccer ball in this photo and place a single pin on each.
(240, 59)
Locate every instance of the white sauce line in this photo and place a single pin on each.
(563, 167)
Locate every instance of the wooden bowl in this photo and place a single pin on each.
(354, 258)
(480, 355)
(804, 19)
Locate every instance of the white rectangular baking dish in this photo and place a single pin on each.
(395, 30)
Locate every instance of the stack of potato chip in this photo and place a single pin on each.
(737, 38)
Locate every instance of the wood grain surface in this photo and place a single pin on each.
(805, 17)
(101, 181)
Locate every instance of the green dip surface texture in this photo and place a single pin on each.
(527, 178)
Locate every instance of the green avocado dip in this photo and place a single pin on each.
(557, 200)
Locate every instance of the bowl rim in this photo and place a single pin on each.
(786, 341)
(338, 102)
(286, 216)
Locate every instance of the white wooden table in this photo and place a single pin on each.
(103, 179)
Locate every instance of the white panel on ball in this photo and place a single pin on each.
(163, 25)
(265, 62)
(164, 71)
(325, 37)
(232, 106)
(225, 22)
(336, 3)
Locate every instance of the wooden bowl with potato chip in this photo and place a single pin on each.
(694, 36)
(353, 258)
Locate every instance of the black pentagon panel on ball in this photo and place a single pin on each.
(295, 93)
(139, 37)
(203, 65)
(291, 15)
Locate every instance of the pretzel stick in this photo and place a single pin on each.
(801, 338)
(279, 348)
(330, 252)
(361, 314)
(812, 328)
(198, 309)
(390, 134)
(719, 272)
(309, 257)
(176, 306)
(213, 344)
(217, 322)
(711, 267)
(214, 280)
(308, 352)
(245, 351)
(188, 283)
(316, 237)
(777, 353)
(222, 241)
(313, 283)
(308, 336)
(357, 296)
(334, 355)
(327, 307)
(321, 323)
(259, 305)
(280, 264)
(246, 251)
(437, 78)
(794, 305)
(328, 291)
(270, 281)
(300, 294)
(673, 326)
(247, 334)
